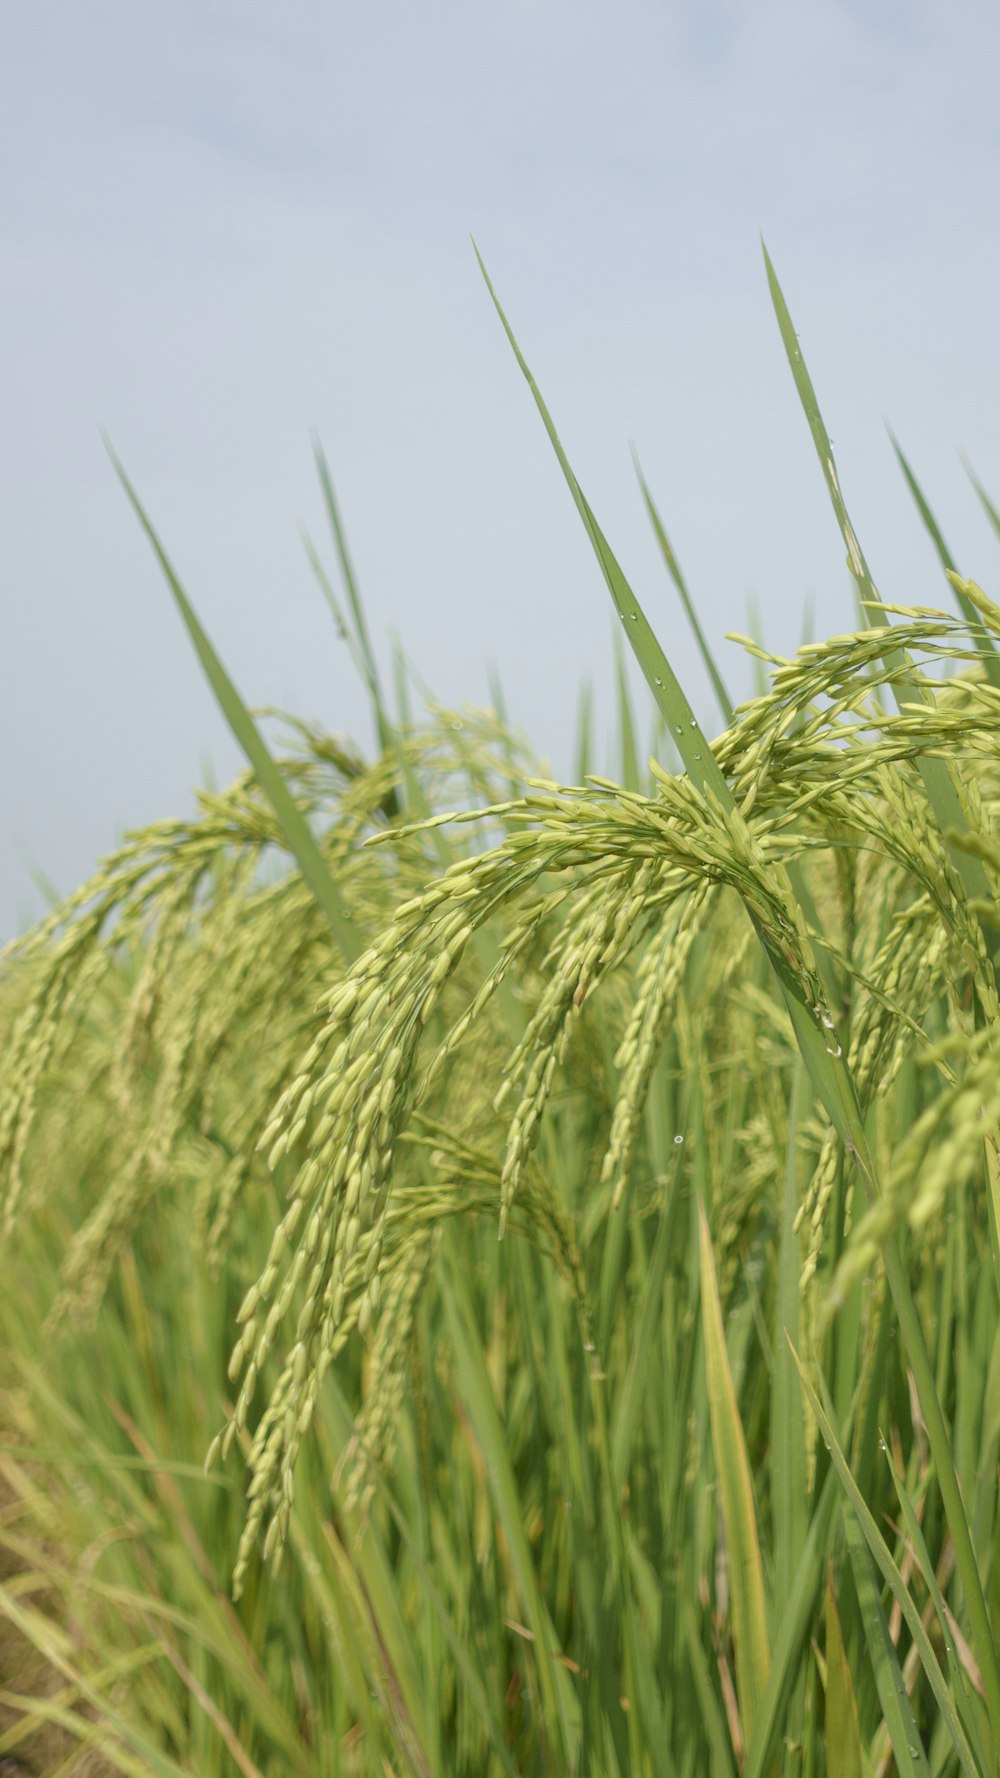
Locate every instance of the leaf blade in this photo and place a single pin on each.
(291, 820)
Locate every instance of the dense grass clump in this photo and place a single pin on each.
(695, 1470)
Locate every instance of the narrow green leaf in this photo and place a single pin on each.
(692, 745)
(746, 1570)
(557, 1704)
(844, 1753)
(931, 525)
(907, 686)
(987, 504)
(628, 1397)
(788, 1437)
(957, 1679)
(359, 625)
(629, 755)
(792, 1637)
(705, 1692)
(895, 1704)
(897, 1711)
(291, 820)
(585, 734)
(990, 656)
(722, 696)
(867, 591)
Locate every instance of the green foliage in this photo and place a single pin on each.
(695, 1470)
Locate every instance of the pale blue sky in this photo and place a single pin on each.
(225, 224)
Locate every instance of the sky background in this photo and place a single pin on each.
(225, 225)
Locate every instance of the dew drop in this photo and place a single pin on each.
(694, 722)
(678, 1140)
(831, 1051)
(634, 615)
(658, 681)
(457, 725)
(828, 1022)
(679, 730)
(697, 756)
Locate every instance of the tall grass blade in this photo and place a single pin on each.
(290, 818)
(964, 1704)
(556, 1704)
(867, 592)
(631, 776)
(991, 511)
(906, 686)
(722, 697)
(692, 745)
(902, 1728)
(746, 1569)
(990, 655)
(931, 525)
(359, 625)
(788, 1438)
(791, 1641)
(844, 1752)
(907, 1747)
(584, 751)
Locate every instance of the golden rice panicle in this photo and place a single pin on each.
(659, 979)
(373, 1440)
(938, 1156)
(595, 939)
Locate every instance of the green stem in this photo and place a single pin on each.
(940, 1444)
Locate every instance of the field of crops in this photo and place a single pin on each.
(694, 1471)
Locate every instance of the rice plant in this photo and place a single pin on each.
(694, 1469)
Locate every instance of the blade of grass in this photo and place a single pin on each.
(788, 1438)
(746, 1570)
(711, 1711)
(914, 1532)
(931, 525)
(365, 651)
(906, 686)
(556, 1702)
(990, 656)
(584, 753)
(722, 696)
(903, 1728)
(629, 758)
(907, 1747)
(291, 820)
(987, 504)
(844, 1752)
(659, 675)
